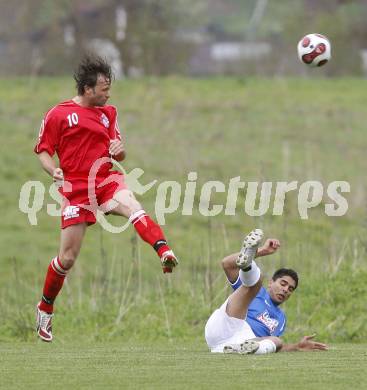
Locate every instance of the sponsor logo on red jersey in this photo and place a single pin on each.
(105, 121)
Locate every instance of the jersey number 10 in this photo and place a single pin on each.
(73, 119)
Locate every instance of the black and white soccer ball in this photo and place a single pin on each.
(314, 50)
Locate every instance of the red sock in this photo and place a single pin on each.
(54, 280)
(149, 231)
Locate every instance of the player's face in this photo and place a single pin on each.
(281, 289)
(99, 95)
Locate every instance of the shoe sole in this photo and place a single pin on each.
(168, 264)
(44, 339)
(251, 241)
(248, 347)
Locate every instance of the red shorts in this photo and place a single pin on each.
(81, 199)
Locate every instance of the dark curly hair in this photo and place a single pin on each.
(88, 70)
(286, 272)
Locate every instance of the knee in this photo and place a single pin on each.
(67, 259)
(134, 207)
(130, 203)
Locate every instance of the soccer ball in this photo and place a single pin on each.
(314, 50)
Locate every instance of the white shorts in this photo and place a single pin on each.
(221, 330)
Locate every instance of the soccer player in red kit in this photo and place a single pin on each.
(83, 131)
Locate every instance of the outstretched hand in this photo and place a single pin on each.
(307, 344)
(270, 246)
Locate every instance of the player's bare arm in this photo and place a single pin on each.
(49, 165)
(271, 245)
(305, 344)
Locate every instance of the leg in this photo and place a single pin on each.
(257, 346)
(240, 299)
(127, 205)
(269, 344)
(148, 230)
(249, 274)
(232, 263)
(70, 243)
(222, 329)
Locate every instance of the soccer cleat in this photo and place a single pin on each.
(248, 347)
(44, 326)
(168, 261)
(249, 249)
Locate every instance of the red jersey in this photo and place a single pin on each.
(79, 135)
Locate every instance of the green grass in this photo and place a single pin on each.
(171, 366)
(259, 129)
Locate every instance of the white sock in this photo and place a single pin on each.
(266, 346)
(251, 277)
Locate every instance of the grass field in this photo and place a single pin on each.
(260, 130)
(182, 366)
